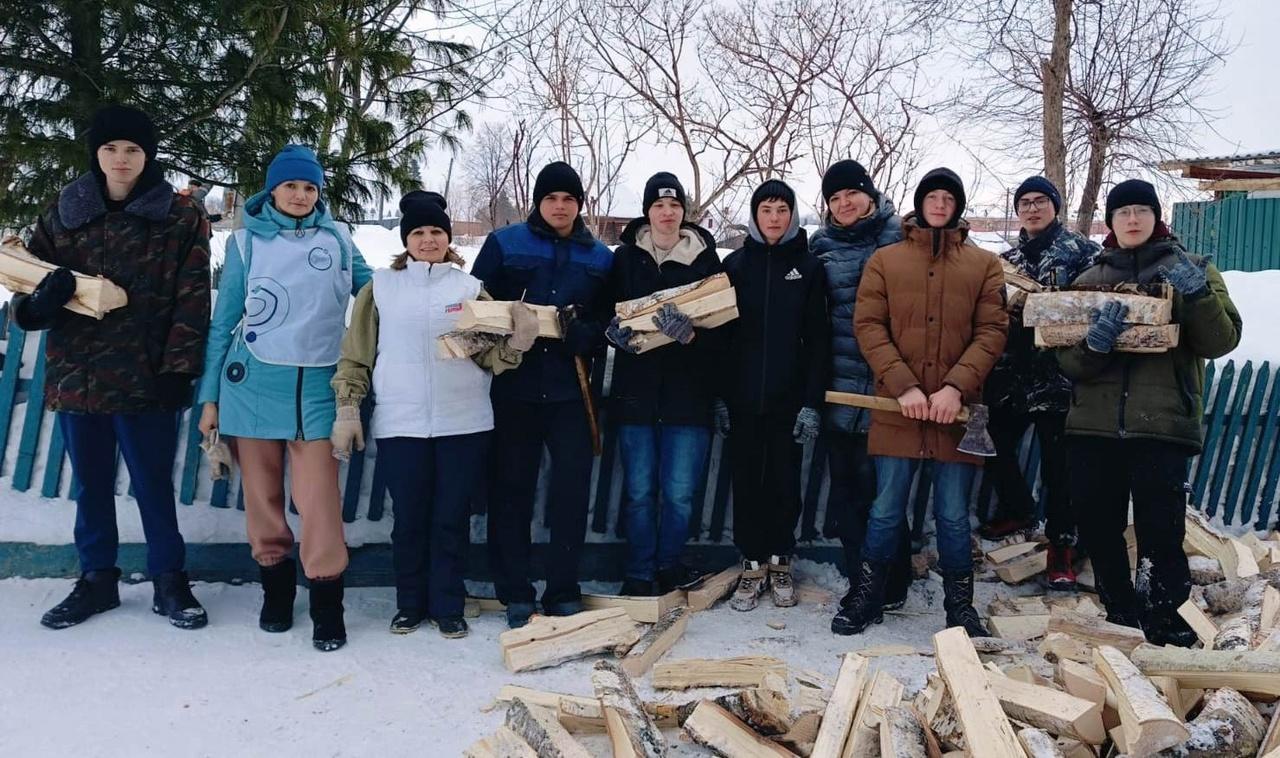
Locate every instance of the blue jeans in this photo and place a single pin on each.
(147, 442)
(888, 520)
(667, 462)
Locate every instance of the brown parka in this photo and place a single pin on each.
(930, 312)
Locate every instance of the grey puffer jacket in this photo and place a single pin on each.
(844, 251)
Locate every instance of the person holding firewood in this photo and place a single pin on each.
(1134, 420)
(550, 259)
(662, 398)
(119, 382)
(431, 415)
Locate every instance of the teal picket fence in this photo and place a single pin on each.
(1236, 476)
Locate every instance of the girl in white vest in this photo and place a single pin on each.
(273, 347)
(431, 415)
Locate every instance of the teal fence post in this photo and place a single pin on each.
(9, 382)
(30, 440)
(1224, 385)
(1245, 453)
(1227, 443)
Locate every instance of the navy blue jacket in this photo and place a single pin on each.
(530, 261)
(844, 251)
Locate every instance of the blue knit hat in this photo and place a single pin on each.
(1042, 185)
(294, 163)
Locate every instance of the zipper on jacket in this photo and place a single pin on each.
(297, 405)
(297, 229)
(764, 344)
(1124, 373)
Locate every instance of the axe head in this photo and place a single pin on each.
(977, 441)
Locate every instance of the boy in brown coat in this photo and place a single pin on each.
(931, 322)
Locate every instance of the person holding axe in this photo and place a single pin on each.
(431, 414)
(930, 319)
(662, 398)
(550, 259)
(1135, 417)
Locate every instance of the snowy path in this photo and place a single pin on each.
(125, 683)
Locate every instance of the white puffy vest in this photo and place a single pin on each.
(416, 392)
(295, 301)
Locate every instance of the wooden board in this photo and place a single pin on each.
(714, 589)
(744, 671)
(646, 610)
(655, 643)
(20, 271)
(1134, 339)
(837, 720)
(1148, 722)
(550, 640)
(714, 727)
(1252, 672)
(986, 729)
(1075, 307)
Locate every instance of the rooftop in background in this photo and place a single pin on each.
(1230, 173)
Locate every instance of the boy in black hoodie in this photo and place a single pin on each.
(779, 349)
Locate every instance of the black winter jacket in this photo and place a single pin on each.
(780, 345)
(672, 384)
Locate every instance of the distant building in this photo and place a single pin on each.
(1240, 227)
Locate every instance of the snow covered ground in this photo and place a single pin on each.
(127, 684)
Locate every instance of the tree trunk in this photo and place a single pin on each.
(1054, 71)
(84, 80)
(1099, 144)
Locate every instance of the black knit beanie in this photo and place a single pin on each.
(846, 175)
(422, 208)
(113, 122)
(773, 189)
(940, 179)
(1132, 192)
(557, 177)
(1043, 186)
(660, 185)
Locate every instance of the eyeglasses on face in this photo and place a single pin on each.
(1135, 211)
(1033, 203)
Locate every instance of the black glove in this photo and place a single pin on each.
(174, 390)
(42, 306)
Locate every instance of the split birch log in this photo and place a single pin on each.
(986, 729)
(646, 610)
(1075, 307)
(901, 734)
(1227, 596)
(1269, 615)
(631, 729)
(1149, 724)
(880, 692)
(1009, 552)
(1199, 622)
(503, 743)
(539, 728)
(936, 707)
(714, 589)
(454, 345)
(837, 719)
(494, 317)
(1038, 743)
(803, 733)
(746, 671)
(766, 711)
(1023, 567)
(1270, 747)
(1095, 631)
(997, 646)
(655, 643)
(1033, 605)
(1238, 631)
(582, 714)
(1019, 627)
(649, 304)
(1205, 570)
(1057, 646)
(550, 640)
(708, 313)
(20, 271)
(1252, 672)
(1057, 712)
(1134, 339)
(1204, 539)
(718, 729)
(1227, 727)
(1180, 700)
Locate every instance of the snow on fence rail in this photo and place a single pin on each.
(1237, 474)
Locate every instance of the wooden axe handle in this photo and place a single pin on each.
(584, 385)
(876, 403)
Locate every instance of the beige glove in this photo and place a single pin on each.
(524, 322)
(219, 455)
(347, 430)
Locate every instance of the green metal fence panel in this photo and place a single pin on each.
(1241, 233)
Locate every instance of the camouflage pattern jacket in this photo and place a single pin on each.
(1027, 380)
(157, 249)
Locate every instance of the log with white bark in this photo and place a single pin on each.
(543, 732)
(837, 719)
(1095, 631)
(503, 743)
(1204, 627)
(743, 671)
(1227, 727)
(1075, 307)
(551, 640)
(632, 731)
(880, 692)
(766, 711)
(986, 729)
(494, 317)
(1038, 743)
(1253, 672)
(649, 304)
(20, 271)
(938, 711)
(1134, 339)
(1149, 724)
(716, 728)
(1227, 596)
(901, 734)
(1057, 712)
(1203, 538)
(656, 642)
(1238, 630)
(713, 589)
(1204, 570)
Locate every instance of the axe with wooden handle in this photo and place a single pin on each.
(976, 440)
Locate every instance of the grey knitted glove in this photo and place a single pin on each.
(676, 325)
(620, 336)
(807, 424)
(1107, 323)
(1187, 277)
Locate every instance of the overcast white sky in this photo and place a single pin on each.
(1243, 91)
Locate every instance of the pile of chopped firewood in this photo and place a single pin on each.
(1061, 318)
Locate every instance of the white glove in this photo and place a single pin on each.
(347, 430)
